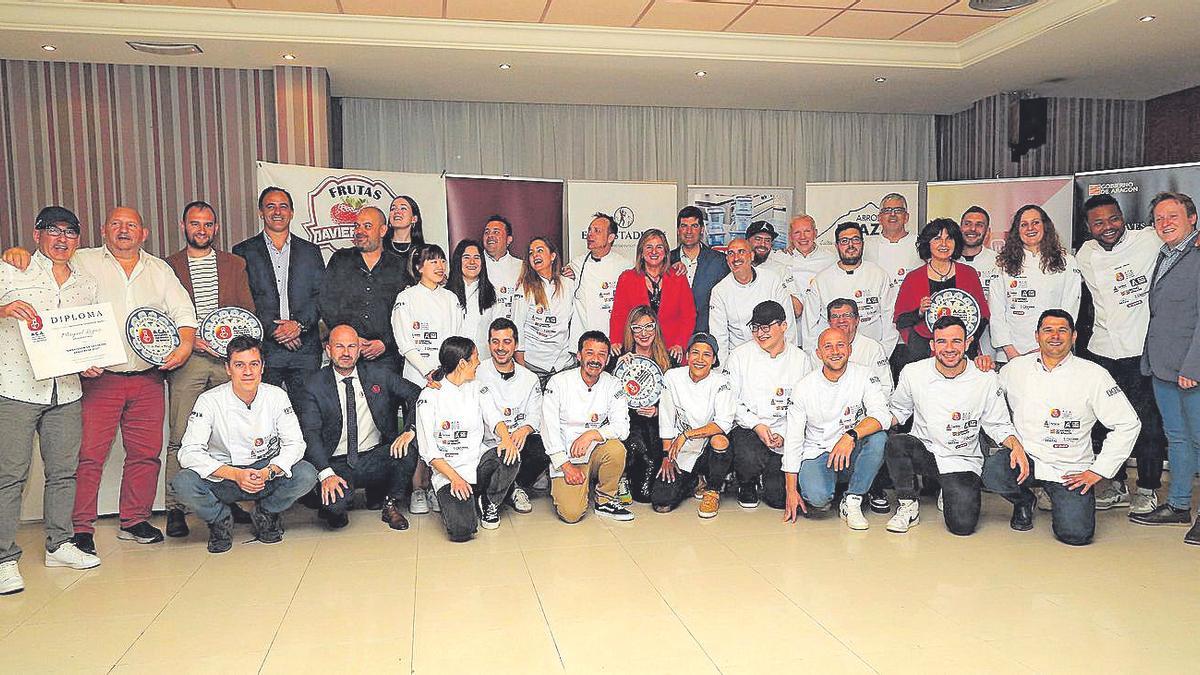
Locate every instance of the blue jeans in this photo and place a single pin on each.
(818, 481)
(209, 500)
(1072, 516)
(1180, 410)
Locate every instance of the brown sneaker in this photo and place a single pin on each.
(392, 516)
(701, 488)
(709, 504)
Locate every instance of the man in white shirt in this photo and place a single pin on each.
(243, 442)
(761, 236)
(595, 273)
(804, 258)
(1117, 265)
(842, 314)
(517, 394)
(950, 402)
(585, 418)
(736, 296)
(764, 373)
(695, 413)
(1055, 398)
(862, 281)
(833, 427)
(48, 406)
(503, 268)
(975, 225)
(895, 251)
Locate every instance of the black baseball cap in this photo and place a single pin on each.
(767, 312)
(53, 215)
(760, 226)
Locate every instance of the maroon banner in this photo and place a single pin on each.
(534, 207)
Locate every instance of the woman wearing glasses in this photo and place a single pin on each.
(643, 336)
(654, 284)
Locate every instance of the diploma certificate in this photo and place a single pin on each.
(71, 340)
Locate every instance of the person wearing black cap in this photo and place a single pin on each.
(695, 412)
(48, 406)
(763, 373)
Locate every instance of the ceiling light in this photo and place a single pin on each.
(505, 66)
(999, 5)
(701, 73)
(166, 48)
(289, 57)
(1148, 18)
(881, 79)
(49, 48)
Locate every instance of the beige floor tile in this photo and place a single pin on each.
(231, 662)
(441, 649)
(359, 579)
(598, 640)
(471, 569)
(180, 626)
(347, 618)
(477, 608)
(339, 548)
(585, 562)
(623, 596)
(98, 600)
(330, 655)
(77, 646)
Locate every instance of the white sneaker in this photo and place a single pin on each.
(851, 512)
(10, 578)
(1144, 501)
(1113, 494)
(69, 555)
(433, 502)
(418, 504)
(623, 494)
(519, 500)
(908, 514)
(941, 506)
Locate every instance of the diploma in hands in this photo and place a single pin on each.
(71, 340)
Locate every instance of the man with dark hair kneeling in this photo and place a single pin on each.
(243, 443)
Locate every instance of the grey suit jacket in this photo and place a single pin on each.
(1173, 339)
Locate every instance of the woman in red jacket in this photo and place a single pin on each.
(652, 282)
(939, 244)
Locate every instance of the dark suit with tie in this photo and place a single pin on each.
(306, 269)
(710, 268)
(323, 419)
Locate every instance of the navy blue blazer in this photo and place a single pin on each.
(710, 268)
(305, 271)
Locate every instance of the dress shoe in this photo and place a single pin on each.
(392, 515)
(177, 523)
(1022, 517)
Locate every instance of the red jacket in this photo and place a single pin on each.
(916, 286)
(676, 311)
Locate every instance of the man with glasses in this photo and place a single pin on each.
(735, 297)
(862, 281)
(866, 352)
(895, 251)
(763, 373)
(704, 267)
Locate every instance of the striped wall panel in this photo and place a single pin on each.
(302, 115)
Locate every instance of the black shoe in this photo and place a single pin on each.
(489, 513)
(375, 502)
(1193, 535)
(239, 515)
(177, 524)
(1165, 514)
(1022, 517)
(142, 533)
(335, 520)
(220, 535)
(614, 510)
(748, 496)
(818, 513)
(266, 525)
(879, 502)
(392, 515)
(84, 541)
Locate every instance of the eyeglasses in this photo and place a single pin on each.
(893, 209)
(846, 241)
(846, 315)
(764, 327)
(643, 327)
(56, 231)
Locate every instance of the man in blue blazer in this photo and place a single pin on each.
(704, 266)
(285, 275)
(364, 449)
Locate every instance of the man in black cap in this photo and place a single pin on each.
(761, 235)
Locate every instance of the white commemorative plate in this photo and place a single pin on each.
(226, 323)
(956, 302)
(641, 378)
(151, 334)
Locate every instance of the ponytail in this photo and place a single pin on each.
(454, 350)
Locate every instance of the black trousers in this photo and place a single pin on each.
(754, 461)
(493, 478)
(293, 379)
(644, 455)
(907, 457)
(534, 461)
(712, 464)
(1151, 446)
(375, 470)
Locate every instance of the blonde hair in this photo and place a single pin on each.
(531, 282)
(658, 348)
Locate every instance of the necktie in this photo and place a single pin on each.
(351, 423)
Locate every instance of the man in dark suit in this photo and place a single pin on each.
(1172, 354)
(348, 415)
(285, 275)
(704, 267)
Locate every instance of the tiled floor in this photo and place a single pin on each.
(742, 593)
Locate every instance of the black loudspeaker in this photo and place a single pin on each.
(1026, 125)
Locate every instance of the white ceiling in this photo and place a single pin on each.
(1087, 48)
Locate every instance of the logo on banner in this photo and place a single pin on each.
(334, 205)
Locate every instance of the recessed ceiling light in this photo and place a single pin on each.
(881, 79)
(289, 57)
(505, 66)
(1148, 18)
(49, 48)
(701, 73)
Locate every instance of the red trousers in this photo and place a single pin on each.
(137, 405)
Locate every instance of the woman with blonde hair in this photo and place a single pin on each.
(653, 282)
(543, 309)
(643, 337)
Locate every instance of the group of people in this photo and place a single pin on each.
(804, 377)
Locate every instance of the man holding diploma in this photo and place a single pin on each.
(50, 407)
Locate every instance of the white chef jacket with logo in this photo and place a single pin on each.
(223, 430)
(518, 399)
(803, 269)
(570, 408)
(686, 404)
(868, 353)
(422, 319)
(1119, 281)
(451, 423)
(822, 411)
(732, 304)
(546, 332)
(896, 259)
(596, 288)
(869, 286)
(985, 264)
(503, 274)
(1016, 302)
(763, 385)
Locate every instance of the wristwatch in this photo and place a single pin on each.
(853, 434)
(271, 473)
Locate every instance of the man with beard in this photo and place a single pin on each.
(596, 272)
(833, 426)
(975, 226)
(761, 235)
(503, 269)
(735, 297)
(213, 279)
(285, 280)
(1117, 265)
(704, 267)
(804, 258)
(950, 402)
(862, 281)
(360, 287)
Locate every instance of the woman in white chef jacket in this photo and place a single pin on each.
(1036, 273)
(543, 309)
(471, 481)
(476, 295)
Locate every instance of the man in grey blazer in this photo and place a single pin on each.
(704, 267)
(1172, 354)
